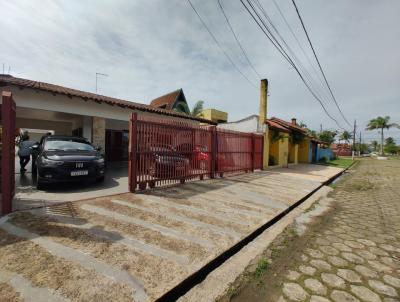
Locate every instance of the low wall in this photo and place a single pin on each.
(321, 153)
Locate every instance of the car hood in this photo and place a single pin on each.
(72, 155)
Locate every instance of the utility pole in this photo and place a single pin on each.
(102, 74)
(360, 143)
(320, 128)
(354, 139)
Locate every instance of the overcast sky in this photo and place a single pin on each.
(149, 48)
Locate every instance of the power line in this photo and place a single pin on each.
(319, 65)
(297, 40)
(237, 39)
(219, 45)
(279, 47)
(295, 58)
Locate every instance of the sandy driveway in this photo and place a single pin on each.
(138, 246)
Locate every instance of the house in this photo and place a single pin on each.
(342, 149)
(174, 100)
(284, 142)
(214, 115)
(101, 119)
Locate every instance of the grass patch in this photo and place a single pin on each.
(339, 163)
(262, 266)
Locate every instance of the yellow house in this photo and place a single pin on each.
(278, 144)
(214, 115)
(288, 143)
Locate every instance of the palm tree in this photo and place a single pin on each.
(197, 108)
(381, 123)
(346, 136)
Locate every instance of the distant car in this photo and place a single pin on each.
(166, 162)
(66, 158)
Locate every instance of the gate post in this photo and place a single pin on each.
(214, 144)
(132, 173)
(7, 152)
(253, 151)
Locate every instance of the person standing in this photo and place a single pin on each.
(24, 152)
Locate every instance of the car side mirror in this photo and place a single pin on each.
(35, 147)
(98, 149)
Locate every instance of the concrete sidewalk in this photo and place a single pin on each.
(139, 246)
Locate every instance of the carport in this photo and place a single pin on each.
(64, 111)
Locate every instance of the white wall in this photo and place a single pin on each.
(248, 125)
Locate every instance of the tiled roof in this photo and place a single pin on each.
(277, 126)
(166, 101)
(289, 125)
(6, 80)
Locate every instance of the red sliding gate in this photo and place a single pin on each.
(166, 151)
(7, 140)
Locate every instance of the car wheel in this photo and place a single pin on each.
(100, 179)
(39, 182)
(152, 170)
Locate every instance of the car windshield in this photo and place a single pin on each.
(67, 145)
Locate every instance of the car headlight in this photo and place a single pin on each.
(51, 163)
(99, 160)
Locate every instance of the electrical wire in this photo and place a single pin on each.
(292, 53)
(219, 45)
(237, 39)
(319, 65)
(279, 47)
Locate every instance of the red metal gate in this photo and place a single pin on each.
(167, 151)
(7, 172)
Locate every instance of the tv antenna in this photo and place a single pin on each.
(100, 74)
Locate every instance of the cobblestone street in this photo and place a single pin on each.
(352, 253)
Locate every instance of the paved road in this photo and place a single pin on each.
(353, 254)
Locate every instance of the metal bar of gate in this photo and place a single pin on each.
(133, 152)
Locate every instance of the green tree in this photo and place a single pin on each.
(327, 136)
(380, 123)
(345, 136)
(390, 146)
(389, 141)
(197, 108)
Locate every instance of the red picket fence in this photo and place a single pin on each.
(166, 151)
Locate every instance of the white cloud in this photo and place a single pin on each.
(149, 48)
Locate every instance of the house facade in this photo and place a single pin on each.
(101, 119)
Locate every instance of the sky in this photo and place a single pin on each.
(149, 48)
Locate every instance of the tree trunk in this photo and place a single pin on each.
(382, 141)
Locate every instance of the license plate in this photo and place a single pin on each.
(79, 173)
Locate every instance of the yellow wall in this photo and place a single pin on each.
(304, 149)
(284, 150)
(266, 149)
(279, 149)
(214, 115)
(273, 148)
(292, 153)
